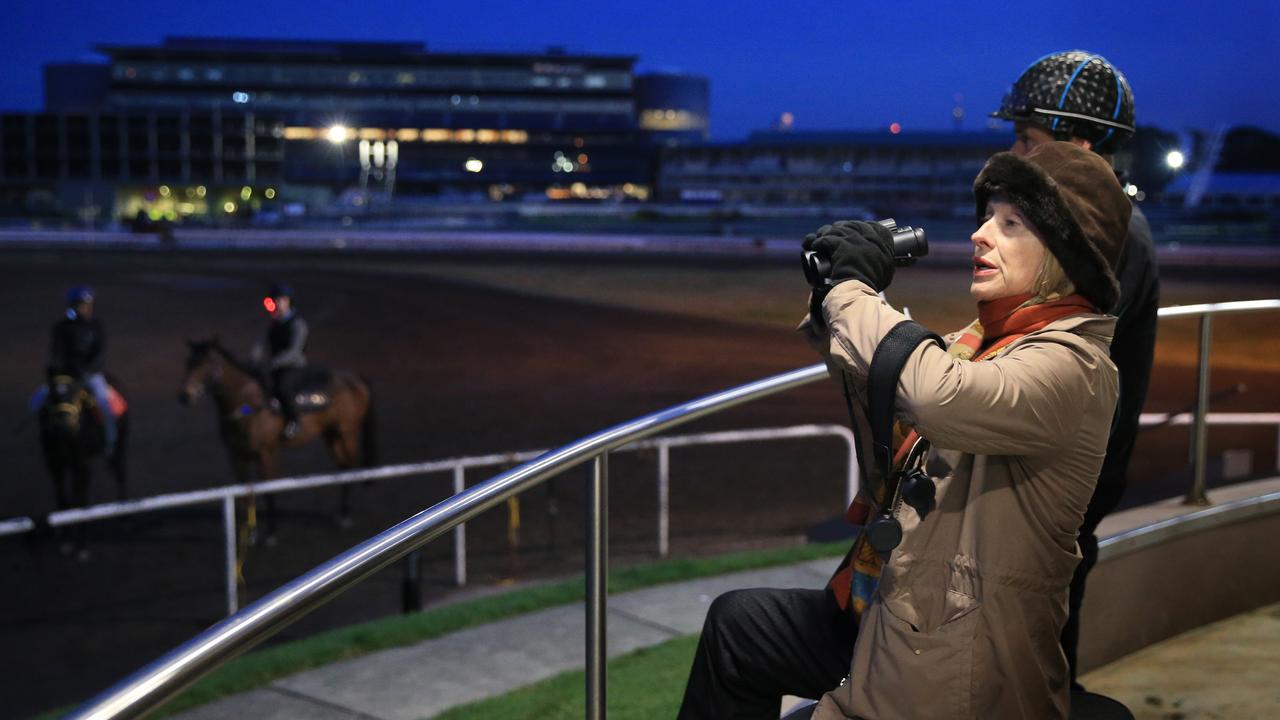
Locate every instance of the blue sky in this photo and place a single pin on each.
(834, 65)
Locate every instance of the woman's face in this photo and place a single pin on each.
(1007, 253)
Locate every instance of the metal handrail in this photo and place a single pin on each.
(152, 685)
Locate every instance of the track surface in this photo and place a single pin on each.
(458, 368)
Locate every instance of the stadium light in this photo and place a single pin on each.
(473, 165)
(337, 134)
(1175, 160)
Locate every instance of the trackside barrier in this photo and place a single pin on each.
(227, 495)
(151, 686)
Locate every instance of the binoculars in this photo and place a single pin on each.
(909, 245)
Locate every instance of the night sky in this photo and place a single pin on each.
(856, 64)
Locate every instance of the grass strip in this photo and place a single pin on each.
(264, 666)
(643, 684)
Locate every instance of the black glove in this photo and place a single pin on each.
(857, 250)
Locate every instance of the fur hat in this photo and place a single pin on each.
(1075, 202)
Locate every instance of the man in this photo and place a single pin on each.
(76, 350)
(1081, 98)
(281, 350)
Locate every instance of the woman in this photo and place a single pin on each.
(965, 619)
(966, 616)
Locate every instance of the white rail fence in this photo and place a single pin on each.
(227, 495)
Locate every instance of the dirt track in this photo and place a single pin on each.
(458, 369)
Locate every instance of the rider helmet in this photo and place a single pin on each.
(1073, 94)
(277, 291)
(79, 294)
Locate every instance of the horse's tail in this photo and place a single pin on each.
(369, 430)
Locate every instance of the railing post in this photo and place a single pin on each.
(1200, 433)
(460, 532)
(597, 572)
(664, 499)
(229, 544)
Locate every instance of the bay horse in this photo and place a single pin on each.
(71, 436)
(250, 425)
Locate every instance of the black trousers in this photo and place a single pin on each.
(1071, 631)
(758, 645)
(284, 386)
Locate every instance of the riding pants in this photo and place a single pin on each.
(97, 385)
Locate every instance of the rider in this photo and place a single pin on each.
(284, 341)
(76, 350)
(1081, 98)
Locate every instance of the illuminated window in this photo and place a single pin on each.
(301, 133)
(407, 135)
(465, 136)
(372, 134)
(404, 78)
(436, 135)
(515, 136)
(594, 81)
(671, 120)
(487, 136)
(355, 77)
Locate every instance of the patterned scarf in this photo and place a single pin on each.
(1000, 322)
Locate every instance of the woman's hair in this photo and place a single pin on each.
(1051, 282)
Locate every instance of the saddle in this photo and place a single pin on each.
(311, 393)
(68, 391)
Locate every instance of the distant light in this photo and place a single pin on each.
(246, 192)
(164, 191)
(1175, 159)
(269, 303)
(240, 97)
(229, 207)
(270, 193)
(200, 190)
(473, 165)
(895, 128)
(337, 134)
(1131, 190)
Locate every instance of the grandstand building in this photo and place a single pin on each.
(206, 125)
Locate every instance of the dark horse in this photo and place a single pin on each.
(250, 426)
(71, 435)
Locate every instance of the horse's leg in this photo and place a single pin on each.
(80, 498)
(344, 446)
(117, 458)
(269, 469)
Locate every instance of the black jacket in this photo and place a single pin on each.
(76, 347)
(1132, 350)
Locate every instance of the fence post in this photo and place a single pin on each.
(1200, 431)
(229, 544)
(664, 499)
(597, 573)
(460, 532)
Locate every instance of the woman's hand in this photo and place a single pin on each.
(858, 251)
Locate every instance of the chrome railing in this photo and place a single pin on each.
(151, 686)
(1200, 429)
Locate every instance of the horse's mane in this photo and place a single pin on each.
(216, 346)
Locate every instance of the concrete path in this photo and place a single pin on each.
(422, 680)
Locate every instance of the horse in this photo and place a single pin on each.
(71, 435)
(336, 407)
